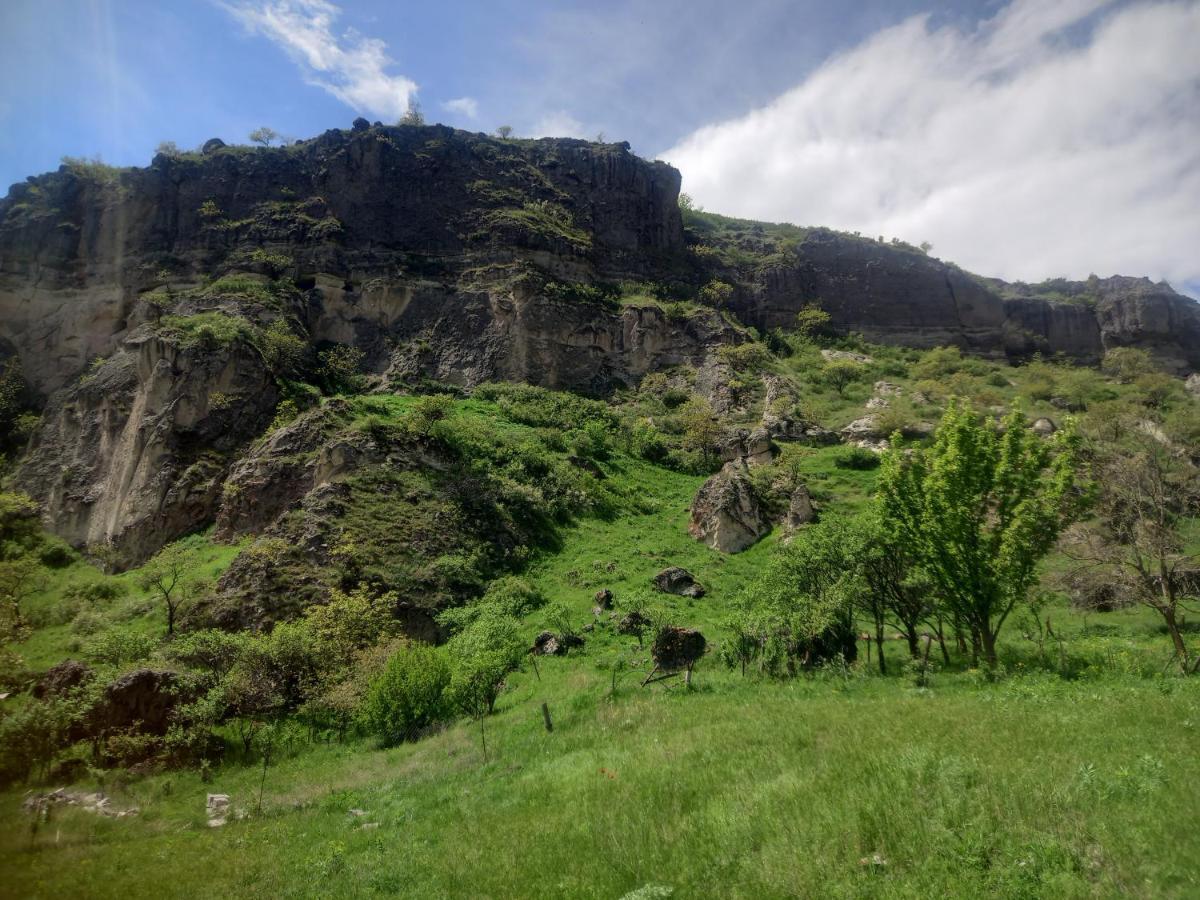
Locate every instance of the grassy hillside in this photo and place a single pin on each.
(1067, 772)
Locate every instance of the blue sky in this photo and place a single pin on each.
(992, 128)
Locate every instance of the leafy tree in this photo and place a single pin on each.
(340, 366)
(349, 623)
(408, 696)
(811, 321)
(504, 132)
(799, 611)
(264, 135)
(12, 399)
(1148, 497)
(413, 116)
(701, 428)
(483, 653)
(895, 592)
(841, 373)
(716, 294)
(166, 576)
(1127, 363)
(283, 351)
(978, 510)
(20, 578)
(168, 148)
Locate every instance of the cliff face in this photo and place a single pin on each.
(78, 247)
(134, 455)
(440, 255)
(896, 294)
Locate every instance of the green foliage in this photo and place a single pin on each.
(407, 698)
(206, 330)
(340, 368)
(811, 322)
(1127, 363)
(857, 459)
(427, 411)
(541, 407)
(979, 510)
(118, 647)
(716, 294)
(283, 351)
(800, 611)
(841, 373)
(483, 653)
(938, 363)
(264, 135)
(20, 530)
(12, 401)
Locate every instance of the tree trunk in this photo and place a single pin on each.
(988, 639)
(910, 635)
(879, 646)
(1181, 651)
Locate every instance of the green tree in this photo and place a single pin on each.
(1127, 363)
(1148, 502)
(799, 611)
(895, 593)
(408, 696)
(716, 294)
(483, 654)
(504, 132)
(979, 509)
(413, 116)
(264, 135)
(166, 576)
(340, 366)
(811, 322)
(841, 373)
(701, 428)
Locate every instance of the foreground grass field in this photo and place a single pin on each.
(840, 785)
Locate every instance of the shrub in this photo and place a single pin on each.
(857, 458)
(409, 696)
(282, 350)
(340, 367)
(938, 363)
(207, 329)
(118, 647)
(1127, 363)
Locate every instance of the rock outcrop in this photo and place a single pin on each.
(896, 294)
(134, 454)
(675, 580)
(726, 514)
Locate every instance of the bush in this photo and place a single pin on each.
(857, 458)
(118, 647)
(409, 696)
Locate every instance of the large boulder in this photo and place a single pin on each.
(726, 515)
(675, 580)
(143, 700)
(800, 508)
(62, 678)
(677, 648)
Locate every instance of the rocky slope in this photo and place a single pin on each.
(442, 256)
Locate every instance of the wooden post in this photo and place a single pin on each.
(533, 659)
(546, 717)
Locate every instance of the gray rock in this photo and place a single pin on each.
(1044, 426)
(800, 508)
(211, 146)
(674, 580)
(726, 515)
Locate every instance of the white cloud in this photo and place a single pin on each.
(463, 106)
(1018, 149)
(558, 124)
(352, 67)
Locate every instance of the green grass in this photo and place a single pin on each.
(1033, 787)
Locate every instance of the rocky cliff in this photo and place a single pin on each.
(143, 303)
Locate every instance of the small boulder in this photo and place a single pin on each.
(603, 598)
(1044, 427)
(360, 124)
(211, 146)
(546, 644)
(726, 514)
(217, 808)
(1193, 384)
(675, 580)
